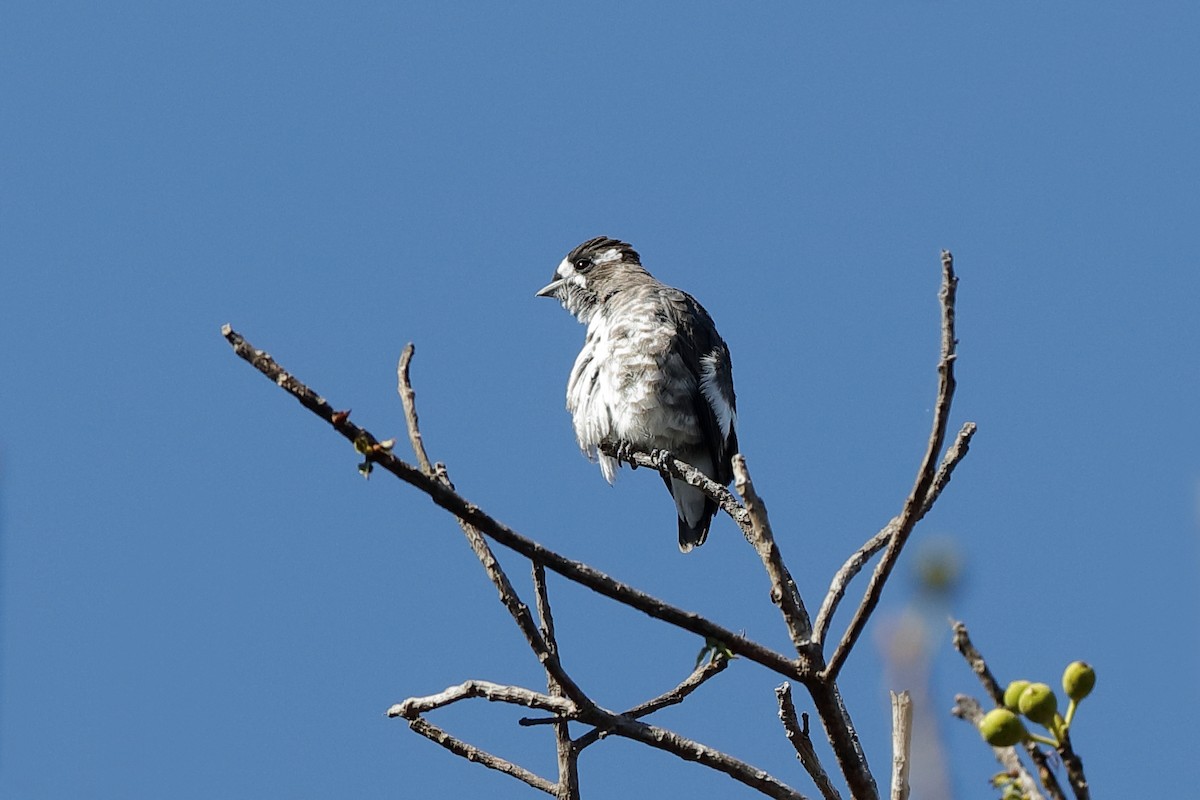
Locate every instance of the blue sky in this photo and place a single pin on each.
(200, 596)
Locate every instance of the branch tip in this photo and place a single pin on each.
(922, 493)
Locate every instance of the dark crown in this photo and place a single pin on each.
(601, 244)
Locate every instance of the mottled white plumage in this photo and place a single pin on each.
(653, 373)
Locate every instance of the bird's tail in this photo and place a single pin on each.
(693, 504)
(689, 537)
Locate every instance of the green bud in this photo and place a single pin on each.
(1001, 728)
(1013, 694)
(1078, 680)
(1039, 704)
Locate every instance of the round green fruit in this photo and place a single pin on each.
(1039, 704)
(1001, 728)
(1012, 694)
(1078, 680)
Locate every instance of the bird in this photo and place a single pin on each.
(653, 374)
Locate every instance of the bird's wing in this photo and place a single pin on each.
(707, 356)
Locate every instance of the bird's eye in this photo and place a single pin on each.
(583, 264)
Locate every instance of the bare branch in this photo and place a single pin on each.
(543, 648)
(680, 693)
(666, 463)
(784, 593)
(925, 475)
(968, 709)
(902, 712)
(567, 752)
(965, 648)
(472, 753)
(797, 734)
(616, 724)
(673, 697)
(853, 565)
(690, 750)
(753, 522)
(956, 453)
(974, 659)
(493, 692)
(520, 614)
(408, 399)
(799, 669)
(1074, 766)
(837, 588)
(543, 607)
(835, 719)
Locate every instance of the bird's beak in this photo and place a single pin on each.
(551, 289)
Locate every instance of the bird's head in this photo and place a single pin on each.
(591, 273)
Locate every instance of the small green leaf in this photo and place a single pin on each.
(714, 650)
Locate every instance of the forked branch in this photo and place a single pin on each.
(566, 701)
(925, 475)
(853, 565)
(543, 642)
(450, 500)
(797, 733)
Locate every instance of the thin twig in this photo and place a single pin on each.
(798, 669)
(472, 753)
(843, 738)
(408, 399)
(925, 475)
(1074, 766)
(691, 750)
(783, 588)
(967, 649)
(665, 462)
(619, 725)
(520, 614)
(673, 697)
(797, 734)
(841, 580)
(545, 616)
(968, 709)
(567, 753)
(544, 649)
(413, 707)
(837, 587)
(902, 714)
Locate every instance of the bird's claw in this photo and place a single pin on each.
(625, 452)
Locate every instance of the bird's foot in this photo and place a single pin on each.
(661, 457)
(625, 452)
